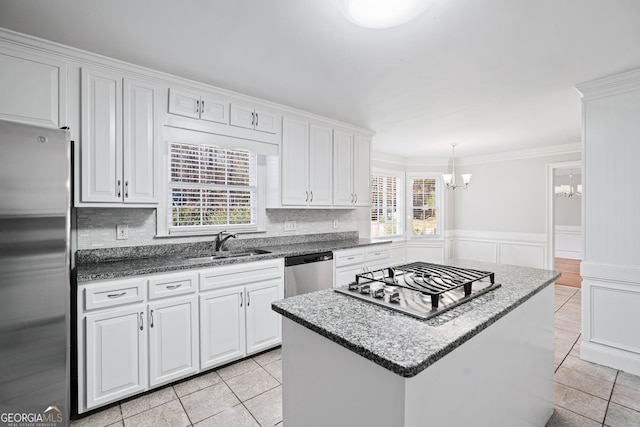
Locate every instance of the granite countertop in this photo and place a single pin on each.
(90, 271)
(404, 344)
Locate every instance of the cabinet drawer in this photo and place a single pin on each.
(348, 257)
(241, 274)
(168, 285)
(378, 253)
(346, 275)
(113, 293)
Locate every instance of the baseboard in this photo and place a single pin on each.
(615, 358)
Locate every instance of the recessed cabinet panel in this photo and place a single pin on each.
(173, 339)
(222, 327)
(101, 143)
(342, 169)
(252, 118)
(320, 165)
(214, 110)
(31, 89)
(115, 355)
(362, 171)
(263, 324)
(266, 121)
(295, 158)
(184, 103)
(140, 136)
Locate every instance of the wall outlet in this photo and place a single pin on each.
(335, 223)
(122, 232)
(289, 226)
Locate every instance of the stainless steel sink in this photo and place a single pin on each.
(230, 254)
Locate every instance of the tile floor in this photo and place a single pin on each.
(249, 393)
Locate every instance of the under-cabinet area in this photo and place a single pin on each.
(137, 333)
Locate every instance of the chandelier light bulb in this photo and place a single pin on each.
(382, 13)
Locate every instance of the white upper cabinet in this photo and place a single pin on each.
(352, 169)
(254, 118)
(306, 164)
(118, 139)
(202, 106)
(33, 89)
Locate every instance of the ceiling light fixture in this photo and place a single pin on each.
(568, 190)
(450, 178)
(382, 13)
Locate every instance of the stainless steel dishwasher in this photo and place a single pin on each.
(308, 273)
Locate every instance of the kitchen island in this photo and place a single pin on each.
(488, 362)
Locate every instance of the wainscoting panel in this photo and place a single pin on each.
(425, 251)
(527, 250)
(476, 250)
(568, 242)
(524, 254)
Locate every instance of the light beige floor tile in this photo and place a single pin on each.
(251, 384)
(620, 416)
(569, 336)
(147, 401)
(564, 418)
(197, 383)
(563, 346)
(580, 402)
(118, 424)
(100, 419)
(237, 416)
(267, 407)
(170, 414)
(628, 380)
(575, 351)
(568, 325)
(626, 396)
(603, 372)
(567, 316)
(275, 369)
(268, 357)
(208, 401)
(237, 368)
(584, 382)
(558, 357)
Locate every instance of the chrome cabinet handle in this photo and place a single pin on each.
(116, 295)
(351, 258)
(248, 299)
(118, 188)
(306, 199)
(126, 189)
(202, 106)
(198, 107)
(141, 320)
(151, 314)
(356, 198)
(253, 119)
(311, 197)
(240, 299)
(174, 286)
(257, 118)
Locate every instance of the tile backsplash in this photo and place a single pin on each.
(96, 227)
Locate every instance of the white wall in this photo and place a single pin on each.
(568, 210)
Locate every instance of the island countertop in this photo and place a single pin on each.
(401, 343)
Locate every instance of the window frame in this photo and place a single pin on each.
(410, 176)
(164, 227)
(400, 206)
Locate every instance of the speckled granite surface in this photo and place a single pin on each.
(403, 344)
(125, 263)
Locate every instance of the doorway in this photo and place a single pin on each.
(564, 221)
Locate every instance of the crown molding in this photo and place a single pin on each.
(610, 85)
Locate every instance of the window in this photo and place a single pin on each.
(424, 205)
(386, 204)
(211, 188)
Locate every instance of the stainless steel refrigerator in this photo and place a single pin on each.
(34, 272)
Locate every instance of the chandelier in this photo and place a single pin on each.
(450, 178)
(568, 190)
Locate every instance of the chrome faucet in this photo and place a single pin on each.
(220, 241)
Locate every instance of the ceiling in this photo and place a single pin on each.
(490, 75)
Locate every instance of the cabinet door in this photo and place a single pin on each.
(101, 142)
(346, 275)
(241, 116)
(116, 354)
(173, 339)
(214, 110)
(222, 324)
(139, 145)
(295, 155)
(361, 170)
(263, 324)
(265, 121)
(184, 103)
(342, 169)
(33, 89)
(320, 165)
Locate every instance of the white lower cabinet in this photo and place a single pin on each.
(138, 333)
(349, 262)
(116, 350)
(173, 339)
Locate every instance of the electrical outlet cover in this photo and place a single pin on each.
(289, 226)
(122, 232)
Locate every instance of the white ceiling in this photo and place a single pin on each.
(490, 75)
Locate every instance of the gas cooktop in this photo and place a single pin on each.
(420, 289)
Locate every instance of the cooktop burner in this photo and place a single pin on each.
(420, 289)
